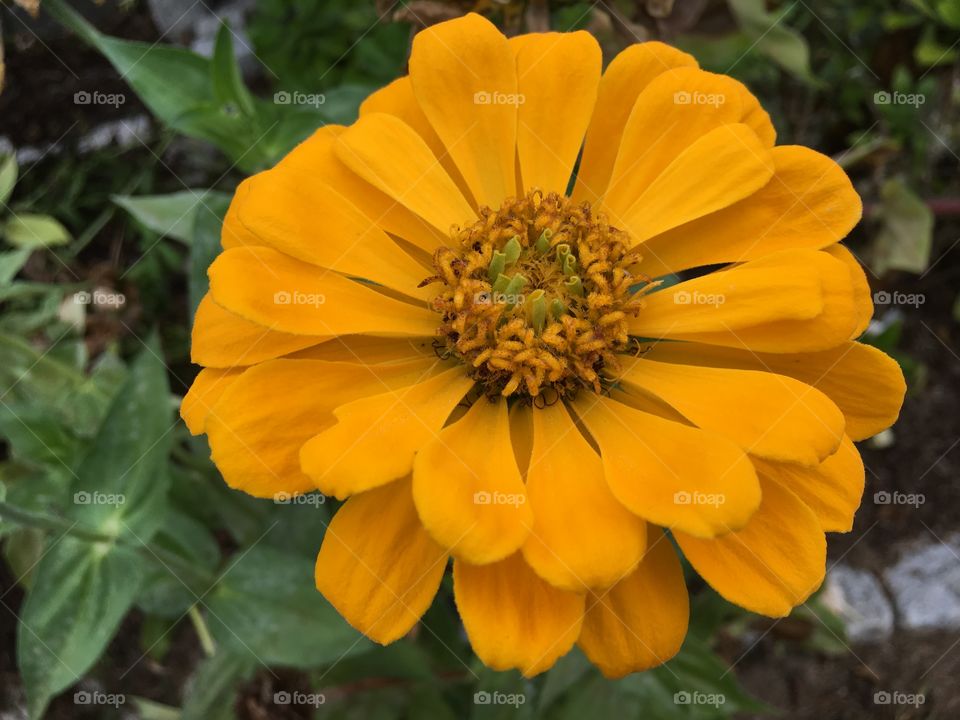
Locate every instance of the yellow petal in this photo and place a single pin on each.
(723, 166)
(290, 212)
(398, 99)
(383, 581)
(206, 389)
(375, 438)
(468, 489)
(862, 298)
(671, 474)
(513, 618)
(744, 320)
(465, 79)
(641, 621)
(316, 157)
(294, 297)
(387, 153)
(258, 425)
(808, 203)
(368, 350)
(865, 384)
(832, 489)
(771, 565)
(552, 68)
(737, 298)
(777, 417)
(582, 537)
(753, 115)
(224, 340)
(628, 74)
(674, 111)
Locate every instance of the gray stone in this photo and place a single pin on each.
(925, 583)
(858, 599)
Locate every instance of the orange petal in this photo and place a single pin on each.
(381, 582)
(259, 423)
(771, 565)
(833, 489)
(375, 438)
(671, 474)
(224, 340)
(389, 155)
(722, 167)
(865, 384)
(642, 620)
(582, 537)
(292, 296)
(781, 418)
(513, 618)
(551, 69)
(209, 385)
(627, 75)
(808, 203)
(468, 489)
(465, 79)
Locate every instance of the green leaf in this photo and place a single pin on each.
(172, 215)
(205, 246)
(28, 230)
(121, 485)
(169, 80)
(80, 594)
(906, 231)
(8, 177)
(210, 694)
(949, 12)
(228, 84)
(10, 264)
(773, 38)
(267, 605)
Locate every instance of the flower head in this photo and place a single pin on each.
(454, 314)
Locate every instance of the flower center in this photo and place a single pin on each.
(536, 297)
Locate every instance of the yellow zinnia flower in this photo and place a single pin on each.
(413, 313)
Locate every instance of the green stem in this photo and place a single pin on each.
(203, 632)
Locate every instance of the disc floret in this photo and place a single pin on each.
(536, 296)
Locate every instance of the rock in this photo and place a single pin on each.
(925, 584)
(857, 597)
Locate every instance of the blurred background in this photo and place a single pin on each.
(133, 583)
